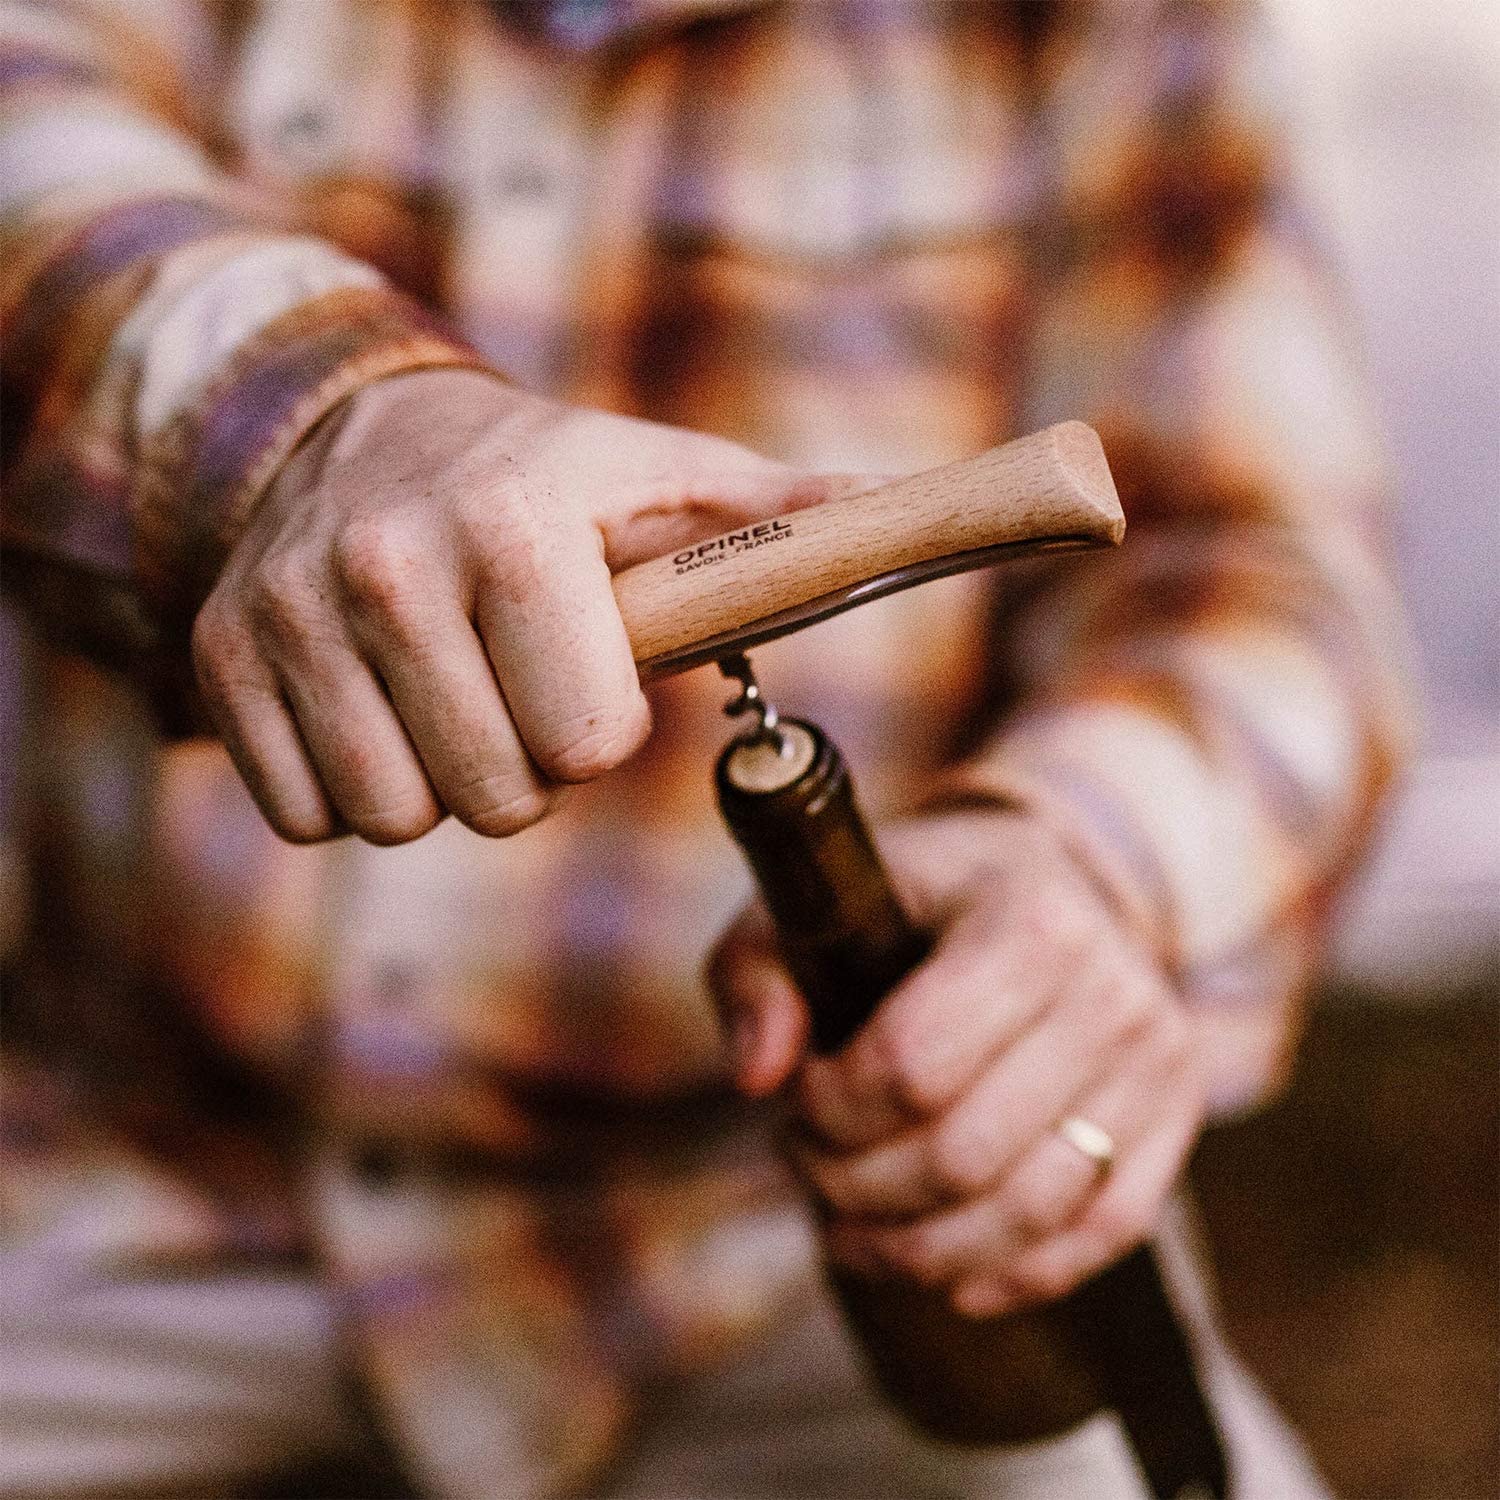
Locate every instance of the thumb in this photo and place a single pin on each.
(774, 490)
(837, 486)
(688, 509)
(761, 1008)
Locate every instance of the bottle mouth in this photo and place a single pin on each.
(760, 766)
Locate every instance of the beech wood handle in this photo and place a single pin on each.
(1052, 488)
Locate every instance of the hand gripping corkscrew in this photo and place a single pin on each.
(787, 798)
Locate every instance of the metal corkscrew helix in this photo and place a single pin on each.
(751, 700)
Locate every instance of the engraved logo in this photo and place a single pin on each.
(731, 544)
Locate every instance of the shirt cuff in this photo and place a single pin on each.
(1183, 854)
(1089, 824)
(200, 476)
(1162, 809)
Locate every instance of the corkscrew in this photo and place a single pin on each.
(736, 666)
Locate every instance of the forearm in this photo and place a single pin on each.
(1210, 717)
(169, 337)
(1218, 783)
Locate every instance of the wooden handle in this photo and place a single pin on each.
(1051, 489)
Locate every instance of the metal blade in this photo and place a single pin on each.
(825, 606)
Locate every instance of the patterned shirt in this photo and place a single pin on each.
(477, 1082)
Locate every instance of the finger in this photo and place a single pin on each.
(1123, 1214)
(1154, 1084)
(716, 487)
(548, 619)
(762, 1010)
(933, 1035)
(1075, 1039)
(267, 751)
(362, 755)
(747, 494)
(1044, 1193)
(444, 690)
(244, 702)
(839, 486)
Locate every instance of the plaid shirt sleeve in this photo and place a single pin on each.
(169, 336)
(1210, 715)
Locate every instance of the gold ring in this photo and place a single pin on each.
(1094, 1141)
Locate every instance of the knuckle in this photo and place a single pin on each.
(1120, 1222)
(489, 516)
(378, 563)
(395, 824)
(594, 742)
(1042, 1282)
(1190, 1079)
(281, 602)
(960, 1160)
(1034, 1209)
(1133, 1009)
(903, 1064)
(1056, 924)
(507, 552)
(361, 765)
(1174, 1037)
(918, 1252)
(960, 1291)
(831, 1180)
(500, 813)
(216, 646)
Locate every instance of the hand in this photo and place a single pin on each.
(418, 619)
(930, 1140)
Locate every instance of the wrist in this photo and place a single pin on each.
(1013, 808)
(476, 405)
(390, 421)
(204, 475)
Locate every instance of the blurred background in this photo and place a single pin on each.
(1355, 1224)
(1400, 143)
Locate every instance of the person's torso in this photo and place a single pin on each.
(784, 224)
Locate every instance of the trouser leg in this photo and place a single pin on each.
(112, 1383)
